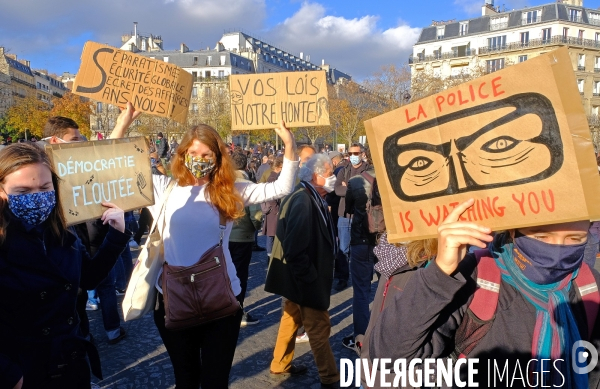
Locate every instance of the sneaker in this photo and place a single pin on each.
(302, 338)
(248, 320)
(119, 338)
(90, 306)
(349, 343)
(258, 248)
(120, 292)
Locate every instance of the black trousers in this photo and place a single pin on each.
(241, 254)
(144, 223)
(200, 355)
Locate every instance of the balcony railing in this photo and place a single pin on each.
(440, 56)
(581, 68)
(595, 22)
(596, 70)
(210, 79)
(498, 26)
(555, 40)
(596, 94)
(27, 84)
(576, 19)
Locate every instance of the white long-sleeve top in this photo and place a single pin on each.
(192, 223)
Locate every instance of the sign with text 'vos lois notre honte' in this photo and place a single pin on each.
(115, 170)
(517, 141)
(117, 77)
(262, 101)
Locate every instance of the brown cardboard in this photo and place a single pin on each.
(515, 140)
(116, 76)
(114, 170)
(260, 101)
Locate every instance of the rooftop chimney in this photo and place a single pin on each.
(301, 55)
(135, 30)
(184, 48)
(488, 8)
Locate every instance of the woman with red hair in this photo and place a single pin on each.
(204, 188)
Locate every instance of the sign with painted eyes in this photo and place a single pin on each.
(516, 140)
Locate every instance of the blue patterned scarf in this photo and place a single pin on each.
(555, 328)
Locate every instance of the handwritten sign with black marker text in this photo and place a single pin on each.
(115, 171)
(260, 101)
(117, 77)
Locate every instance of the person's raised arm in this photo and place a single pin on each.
(288, 140)
(126, 117)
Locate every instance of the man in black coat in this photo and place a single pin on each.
(162, 148)
(301, 270)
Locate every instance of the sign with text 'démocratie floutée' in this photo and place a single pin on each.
(115, 170)
(517, 141)
(262, 101)
(117, 77)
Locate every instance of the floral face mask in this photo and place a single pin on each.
(32, 208)
(198, 166)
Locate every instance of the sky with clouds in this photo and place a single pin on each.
(357, 37)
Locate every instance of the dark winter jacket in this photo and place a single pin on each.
(301, 267)
(270, 211)
(357, 194)
(39, 282)
(162, 148)
(343, 177)
(406, 330)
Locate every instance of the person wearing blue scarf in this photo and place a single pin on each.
(540, 263)
(540, 314)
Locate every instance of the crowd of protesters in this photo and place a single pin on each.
(312, 208)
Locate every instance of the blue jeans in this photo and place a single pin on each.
(342, 271)
(362, 261)
(108, 303)
(123, 269)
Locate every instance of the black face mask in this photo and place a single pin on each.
(545, 263)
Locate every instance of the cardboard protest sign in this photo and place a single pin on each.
(116, 76)
(115, 170)
(516, 140)
(260, 101)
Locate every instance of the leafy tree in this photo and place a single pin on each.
(76, 108)
(30, 114)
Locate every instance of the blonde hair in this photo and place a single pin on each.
(419, 251)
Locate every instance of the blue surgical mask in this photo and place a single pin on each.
(32, 208)
(355, 160)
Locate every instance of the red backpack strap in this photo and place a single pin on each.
(485, 299)
(590, 296)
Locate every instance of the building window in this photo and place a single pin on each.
(581, 62)
(597, 64)
(575, 15)
(546, 35)
(565, 32)
(580, 84)
(166, 59)
(595, 110)
(596, 88)
(208, 60)
(207, 91)
(440, 32)
(498, 23)
(494, 64)
(497, 42)
(522, 58)
(207, 74)
(195, 92)
(437, 53)
(594, 18)
(532, 17)
(98, 107)
(194, 107)
(221, 73)
(525, 38)
(222, 60)
(194, 76)
(464, 29)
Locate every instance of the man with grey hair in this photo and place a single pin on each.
(301, 270)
